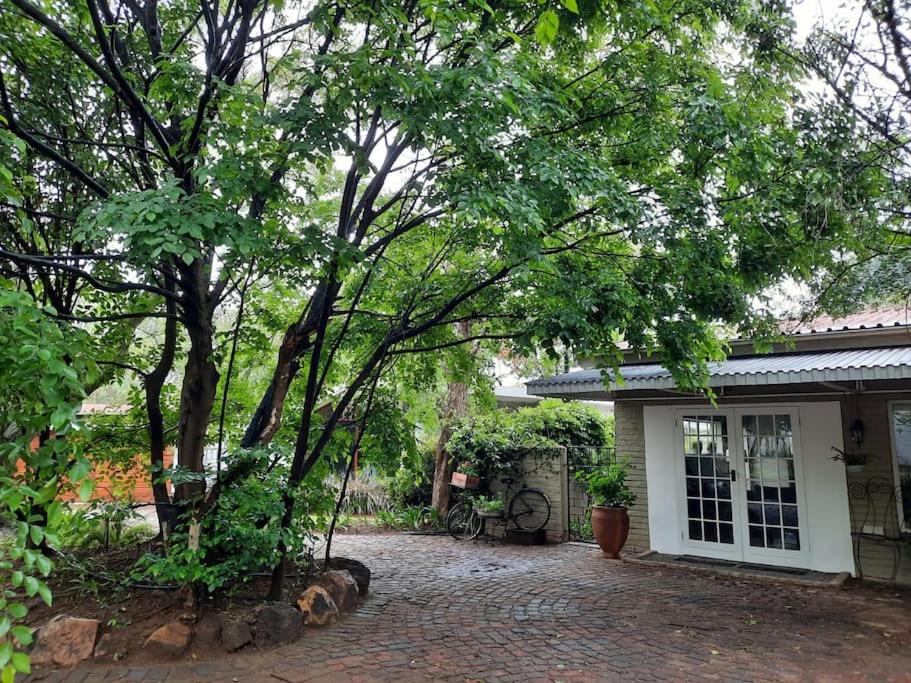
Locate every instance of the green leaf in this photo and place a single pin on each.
(23, 634)
(85, 489)
(22, 663)
(6, 652)
(45, 593)
(571, 6)
(8, 675)
(17, 610)
(546, 30)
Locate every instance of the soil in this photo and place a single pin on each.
(129, 614)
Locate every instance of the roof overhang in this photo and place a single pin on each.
(853, 365)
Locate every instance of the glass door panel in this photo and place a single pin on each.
(771, 484)
(707, 471)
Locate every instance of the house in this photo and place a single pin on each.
(752, 478)
(513, 397)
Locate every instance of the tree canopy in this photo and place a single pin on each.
(323, 190)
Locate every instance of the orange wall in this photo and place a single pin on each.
(115, 483)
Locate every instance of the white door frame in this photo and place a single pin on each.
(740, 550)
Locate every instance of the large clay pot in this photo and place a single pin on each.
(611, 529)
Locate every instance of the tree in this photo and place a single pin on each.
(862, 59)
(555, 175)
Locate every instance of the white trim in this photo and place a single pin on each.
(740, 549)
(824, 515)
(896, 474)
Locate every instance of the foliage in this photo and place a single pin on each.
(103, 525)
(607, 487)
(410, 518)
(336, 185)
(489, 503)
(365, 494)
(859, 56)
(246, 521)
(411, 486)
(485, 445)
(850, 457)
(42, 370)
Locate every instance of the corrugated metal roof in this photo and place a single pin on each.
(870, 319)
(790, 368)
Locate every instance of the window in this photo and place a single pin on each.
(901, 438)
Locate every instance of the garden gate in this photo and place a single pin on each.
(582, 459)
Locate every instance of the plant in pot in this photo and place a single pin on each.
(854, 462)
(491, 506)
(610, 496)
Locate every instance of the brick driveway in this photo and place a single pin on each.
(441, 610)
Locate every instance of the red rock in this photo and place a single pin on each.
(317, 606)
(170, 641)
(64, 641)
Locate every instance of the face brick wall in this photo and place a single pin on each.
(630, 442)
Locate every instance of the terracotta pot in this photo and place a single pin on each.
(611, 529)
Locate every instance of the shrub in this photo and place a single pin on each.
(240, 535)
(487, 445)
(607, 486)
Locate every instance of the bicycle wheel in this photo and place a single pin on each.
(462, 522)
(529, 509)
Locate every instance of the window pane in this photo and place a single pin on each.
(901, 424)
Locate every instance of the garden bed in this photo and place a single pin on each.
(110, 621)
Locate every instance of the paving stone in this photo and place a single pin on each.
(447, 611)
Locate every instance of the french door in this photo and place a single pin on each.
(741, 480)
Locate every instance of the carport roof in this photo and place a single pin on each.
(790, 368)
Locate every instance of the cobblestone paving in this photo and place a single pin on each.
(442, 610)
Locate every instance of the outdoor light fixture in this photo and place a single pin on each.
(857, 432)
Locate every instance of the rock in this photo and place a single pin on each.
(170, 641)
(64, 641)
(208, 630)
(235, 634)
(317, 607)
(357, 569)
(109, 647)
(341, 586)
(276, 625)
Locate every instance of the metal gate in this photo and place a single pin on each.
(579, 460)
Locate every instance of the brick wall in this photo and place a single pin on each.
(630, 443)
(877, 560)
(545, 471)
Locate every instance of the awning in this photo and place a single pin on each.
(787, 368)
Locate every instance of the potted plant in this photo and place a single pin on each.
(489, 506)
(854, 462)
(610, 497)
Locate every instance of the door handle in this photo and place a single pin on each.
(733, 475)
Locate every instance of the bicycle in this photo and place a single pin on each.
(528, 509)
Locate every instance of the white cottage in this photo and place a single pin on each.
(753, 479)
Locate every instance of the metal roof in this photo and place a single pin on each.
(789, 368)
(871, 319)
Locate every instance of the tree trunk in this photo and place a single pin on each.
(154, 383)
(197, 401)
(456, 407)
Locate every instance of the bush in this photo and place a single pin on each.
(607, 486)
(103, 525)
(487, 445)
(412, 486)
(240, 535)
